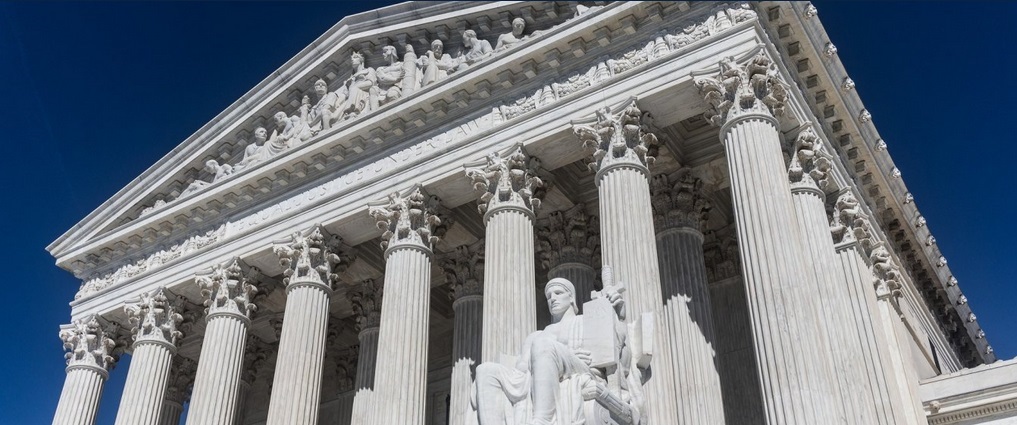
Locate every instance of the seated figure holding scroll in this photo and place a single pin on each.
(579, 370)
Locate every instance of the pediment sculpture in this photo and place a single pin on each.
(582, 369)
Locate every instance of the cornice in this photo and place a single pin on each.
(800, 37)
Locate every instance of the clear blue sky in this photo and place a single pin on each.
(93, 94)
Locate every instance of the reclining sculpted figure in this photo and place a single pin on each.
(579, 370)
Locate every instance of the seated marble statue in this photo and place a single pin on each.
(256, 151)
(218, 172)
(476, 49)
(436, 64)
(507, 40)
(390, 77)
(557, 379)
(358, 88)
(294, 132)
(326, 111)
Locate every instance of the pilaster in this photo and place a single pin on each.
(510, 195)
(155, 319)
(309, 260)
(89, 344)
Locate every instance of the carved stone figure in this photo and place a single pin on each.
(294, 132)
(507, 40)
(255, 152)
(436, 64)
(218, 172)
(359, 87)
(563, 366)
(327, 110)
(390, 77)
(476, 49)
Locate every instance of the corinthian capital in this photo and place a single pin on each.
(810, 163)
(464, 270)
(743, 89)
(849, 223)
(230, 289)
(408, 219)
(181, 379)
(886, 274)
(569, 236)
(507, 180)
(89, 343)
(678, 202)
(154, 318)
(366, 300)
(618, 138)
(310, 258)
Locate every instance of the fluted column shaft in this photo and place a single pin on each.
(367, 358)
(509, 282)
(171, 411)
(239, 414)
(787, 353)
(466, 349)
(583, 276)
(217, 382)
(296, 388)
(346, 401)
(400, 385)
(690, 336)
(874, 335)
(79, 399)
(145, 389)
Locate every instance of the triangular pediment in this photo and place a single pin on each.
(215, 154)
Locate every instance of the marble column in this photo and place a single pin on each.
(409, 220)
(178, 390)
(511, 195)
(622, 152)
(569, 247)
(309, 261)
(346, 375)
(678, 212)
(464, 271)
(366, 299)
(155, 333)
(229, 291)
(745, 100)
(89, 343)
(892, 394)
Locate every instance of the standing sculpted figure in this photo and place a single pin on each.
(556, 373)
(476, 49)
(326, 111)
(436, 64)
(359, 87)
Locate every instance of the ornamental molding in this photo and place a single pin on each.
(667, 44)
(155, 318)
(678, 201)
(507, 180)
(311, 257)
(464, 270)
(230, 288)
(569, 236)
(90, 342)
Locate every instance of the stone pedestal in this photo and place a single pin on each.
(622, 151)
(89, 360)
(401, 382)
(789, 355)
(228, 293)
(678, 209)
(155, 337)
(511, 195)
(296, 389)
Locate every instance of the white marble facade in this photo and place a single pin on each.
(528, 213)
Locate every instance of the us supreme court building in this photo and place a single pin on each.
(611, 213)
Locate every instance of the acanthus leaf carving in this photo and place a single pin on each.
(569, 236)
(678, 202)
(155, 318)
(366, 301)
(310, 258)
(464, 270)
(181, 380)
(410, 218)
(90, 343)
(255, 358)
(618, 138)
(230, 289)
(508, 179)
(721, 254)
(743, 89)
(810, 163)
